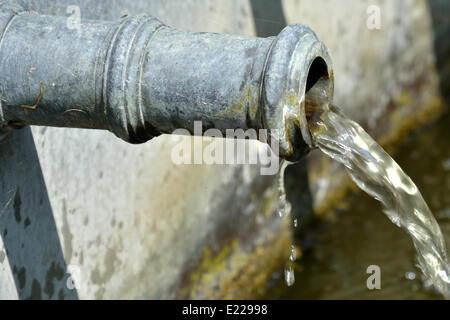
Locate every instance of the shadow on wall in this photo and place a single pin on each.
(440, 11)
(27, 226)
(269, 20)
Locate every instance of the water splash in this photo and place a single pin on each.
(375, 172)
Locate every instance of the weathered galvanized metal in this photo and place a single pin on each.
(140, 78)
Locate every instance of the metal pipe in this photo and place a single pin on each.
(139, 78)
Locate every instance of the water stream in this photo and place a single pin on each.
(376, 173)
(284, 211)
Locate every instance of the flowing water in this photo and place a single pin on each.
(284, 211)
(375, 172)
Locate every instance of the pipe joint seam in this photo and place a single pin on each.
(122, 92)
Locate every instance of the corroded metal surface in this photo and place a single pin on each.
(140, 78)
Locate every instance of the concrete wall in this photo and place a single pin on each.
(128, 223)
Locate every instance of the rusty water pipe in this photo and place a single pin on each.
(139, 78)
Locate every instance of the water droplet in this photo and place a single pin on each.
(446, 165)
(289, 276)
(295, 223)
(410, 275)
(293, 254)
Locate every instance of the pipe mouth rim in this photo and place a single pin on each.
(297, 60)
(320, 79)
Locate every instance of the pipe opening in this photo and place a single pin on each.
(317, 93)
